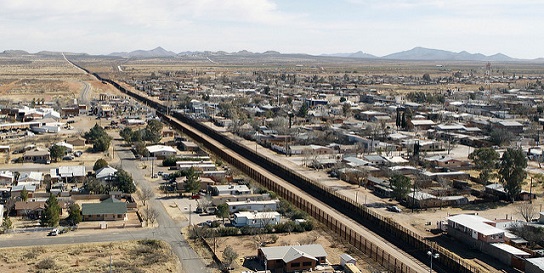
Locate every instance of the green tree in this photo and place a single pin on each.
(403, 122)
(51, 215)
(140, 148)
(222, 211)
(24, 194)
(99, 164)
(124, 182)
(94, 133)
(512, 171)
(57, 152)
(102, 144)
(6, 224)
(303, 110)
(400, 185)
(153, 131)
(500, 137)
(95, 186)
(427, 77)
(74, 214)
(99, 138)
(485, 160)
(192, 183)
(126, 134)
(346, 109)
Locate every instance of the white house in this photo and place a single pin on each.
(30, 179)
(161, 151)
(230, 190)
(69, 147)
(6, 178)
(64, 173)
(255, 219)
(464, 226)
(105, 173)
(263, 205)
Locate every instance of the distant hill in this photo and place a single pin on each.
(427, 54)
(154, 53)
(358, 54)
(15, 52)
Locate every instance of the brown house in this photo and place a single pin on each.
(37, 156)
(292, 258)
(30, 209)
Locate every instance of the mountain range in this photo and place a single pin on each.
(415, 54)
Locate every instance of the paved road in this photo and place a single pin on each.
(85, 93)
(167, 229)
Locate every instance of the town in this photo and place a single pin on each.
(448, 153)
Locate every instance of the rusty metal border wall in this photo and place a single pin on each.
(405, 239)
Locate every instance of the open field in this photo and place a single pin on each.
(132, 256)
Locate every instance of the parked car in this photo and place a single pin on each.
(68, 157)
(78, 153)
(393, 209)
(53, 232)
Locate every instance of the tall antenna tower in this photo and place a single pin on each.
(487, 77)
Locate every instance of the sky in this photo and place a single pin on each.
(378, 27)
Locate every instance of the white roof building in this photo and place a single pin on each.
(476, 227)
(105, 173)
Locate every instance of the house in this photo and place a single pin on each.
(29, 209)
(346, 258)
(76, 142)
(104, 110)
(105, 174)
(444, 161)
(222, 199)
(205, 183)
(508, 255)
(204, 167)
(68, 173)
(69, 147)
(292, 258)
(189, 146)
(510, 125)
(534, 265)
(421, 124)
(377, 160)
(309, 150)
(6, 178)
(30, 179)
(161, 151)
(37, 156)
(229, 190)
(255, 219)
(497, 190)
(16, 190)
(4, 148)
(473, 228)
(249, 205)
(419, 199)
(110, 209)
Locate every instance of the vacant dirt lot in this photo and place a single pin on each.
(132, 256)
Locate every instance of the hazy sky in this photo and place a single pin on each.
(378, 27)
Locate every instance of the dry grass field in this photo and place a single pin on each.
(132, 256)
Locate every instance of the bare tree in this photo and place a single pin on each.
(145, 194)
(527, 211)
(152, 215)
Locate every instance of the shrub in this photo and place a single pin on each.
(228, 231)
(47, 263)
